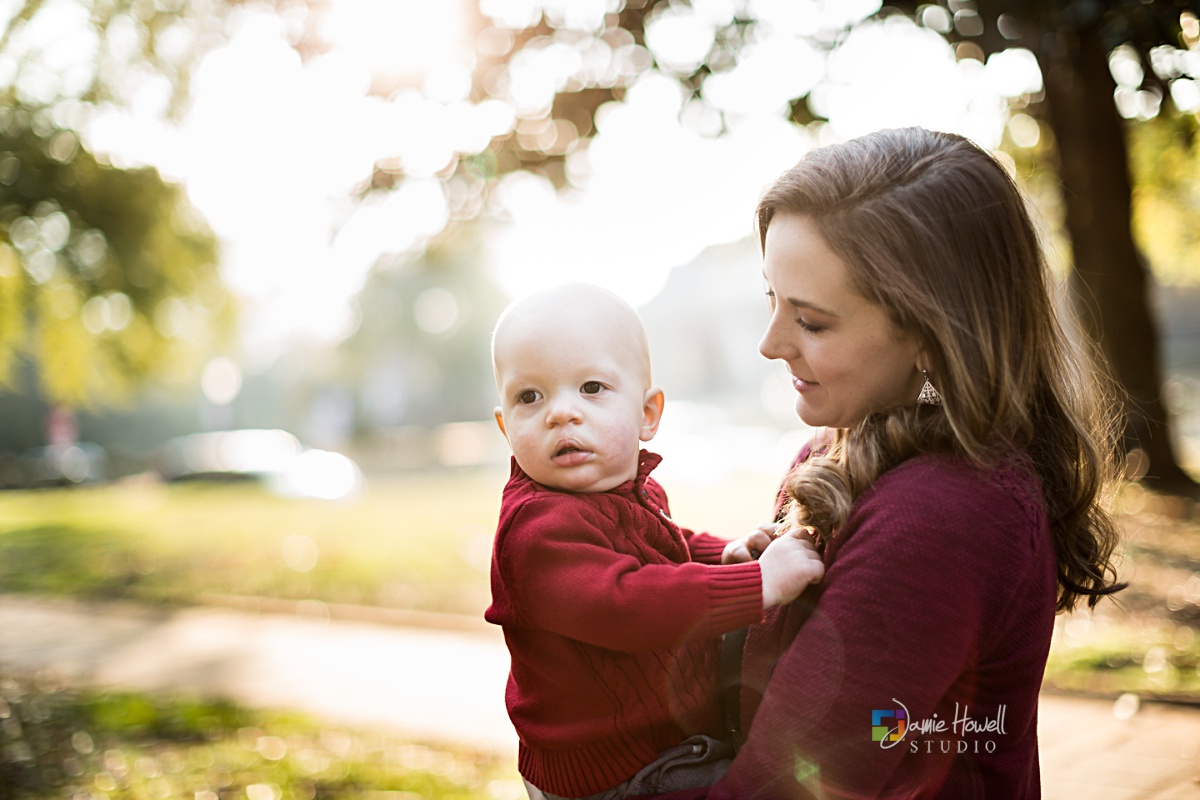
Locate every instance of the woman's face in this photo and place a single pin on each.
(846, 357)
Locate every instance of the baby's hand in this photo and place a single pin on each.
(788, 565)
(749, 547)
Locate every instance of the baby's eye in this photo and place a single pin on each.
(528, 396)
(592, 387)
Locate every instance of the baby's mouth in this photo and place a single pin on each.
(570, 454)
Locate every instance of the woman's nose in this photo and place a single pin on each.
(773, 343)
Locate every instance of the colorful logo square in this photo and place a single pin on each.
(881, 731)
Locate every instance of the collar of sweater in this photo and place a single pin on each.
(647, 461)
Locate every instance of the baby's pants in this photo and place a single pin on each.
(695, 762)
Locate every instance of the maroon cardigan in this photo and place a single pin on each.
(938, 602)
(610, 612)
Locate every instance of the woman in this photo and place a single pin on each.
(956, 487)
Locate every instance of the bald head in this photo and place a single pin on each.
(565, 315)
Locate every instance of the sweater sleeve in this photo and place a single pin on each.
(928, 559)
(704, 548)
(564, 576)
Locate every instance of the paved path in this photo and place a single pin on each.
(448, 685)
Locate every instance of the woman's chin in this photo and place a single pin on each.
(812, 417)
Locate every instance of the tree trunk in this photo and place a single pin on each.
(1109, 274)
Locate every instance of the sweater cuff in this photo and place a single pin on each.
(706, 548)
(736, 597)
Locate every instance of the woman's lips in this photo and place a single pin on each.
(802, 385)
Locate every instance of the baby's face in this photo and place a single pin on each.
(574, 404)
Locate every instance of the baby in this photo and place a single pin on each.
(611, 612)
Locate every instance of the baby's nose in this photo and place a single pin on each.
(562, 410)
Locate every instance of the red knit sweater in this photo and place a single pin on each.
(609, 611)
(938, 601)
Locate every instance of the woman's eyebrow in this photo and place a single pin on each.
(804, 304)
(794, 303)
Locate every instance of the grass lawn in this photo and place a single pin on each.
(421, 543)
(57, 743)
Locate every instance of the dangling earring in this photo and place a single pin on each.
(929, 395)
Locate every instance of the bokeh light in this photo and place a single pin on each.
(679, 38)
(1025, 130)
(221, 380)
(894, 73)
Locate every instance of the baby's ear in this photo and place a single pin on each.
(652, 409)
(500, 421)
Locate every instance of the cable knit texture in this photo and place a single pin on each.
(939, 597)
(610, 612)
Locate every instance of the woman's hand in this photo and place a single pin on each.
(789, 565)
(750, 547)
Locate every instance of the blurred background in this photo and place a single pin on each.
(251, 252)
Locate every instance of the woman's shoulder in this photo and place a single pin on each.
(940, 476)
(949, 493)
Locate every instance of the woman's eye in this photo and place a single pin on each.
(527, 396)
(592, 387)
(771, 299)
(808, 326)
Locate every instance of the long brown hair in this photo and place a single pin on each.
(936, 231)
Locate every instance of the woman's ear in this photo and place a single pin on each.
(652, 409)
(923, 363)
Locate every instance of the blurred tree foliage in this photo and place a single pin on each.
(1073, 41)
(107, 275)
(1164, 157)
